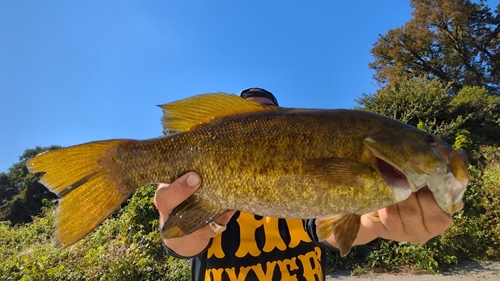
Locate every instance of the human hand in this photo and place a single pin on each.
(169, 196)
(416, 219)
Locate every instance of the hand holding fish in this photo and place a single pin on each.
(169, 196)
(416, 219)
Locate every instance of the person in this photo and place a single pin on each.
(243, 246)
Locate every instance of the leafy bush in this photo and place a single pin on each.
(124, 247)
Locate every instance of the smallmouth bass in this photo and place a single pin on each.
(294, 163)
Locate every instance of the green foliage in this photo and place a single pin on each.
(481, 224)
(125, 247)
(479, 114)
(422, 126)
(390, 254)
(353, 262)
(416, 101)
(20, 192)
(462, 141)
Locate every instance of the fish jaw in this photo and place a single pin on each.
(423, 160)
(455, 180)
(446, 198)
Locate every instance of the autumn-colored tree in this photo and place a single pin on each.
(455, 41)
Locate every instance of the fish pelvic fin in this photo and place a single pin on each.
(345, 229)
(83, 178)
(191, 215)
(182, 115)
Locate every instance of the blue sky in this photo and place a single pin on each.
(79, 71)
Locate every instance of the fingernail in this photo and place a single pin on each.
(193, 180)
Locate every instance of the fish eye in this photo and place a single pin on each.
(430, 140)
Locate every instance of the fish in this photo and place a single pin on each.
(333, 165)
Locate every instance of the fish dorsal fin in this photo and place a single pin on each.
(182, 115)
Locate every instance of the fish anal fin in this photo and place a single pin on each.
(332, 170)
(324, 227)
(191, 215)
(345, 229)
(182, 115)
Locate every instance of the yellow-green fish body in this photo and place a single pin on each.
(272, 161)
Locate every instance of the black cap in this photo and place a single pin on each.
(258, 92)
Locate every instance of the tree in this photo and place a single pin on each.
(21, 192)
(455, 41)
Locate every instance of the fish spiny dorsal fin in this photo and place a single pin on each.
(182, 115)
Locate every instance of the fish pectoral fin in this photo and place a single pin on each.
(182, 115)
(347, 172)
(191, 215)
(345, 229)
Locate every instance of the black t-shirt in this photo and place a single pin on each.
(262, 248)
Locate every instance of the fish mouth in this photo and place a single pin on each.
(454, 177)
(408, 166)
(395, 179)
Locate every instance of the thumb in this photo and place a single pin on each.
(169, 196)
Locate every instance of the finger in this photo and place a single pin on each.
(225, 218)
(412, 217)
(169, 196)
(373, 222)
(389, 225)
(396, 220)
(207, 232)
(435, 220)
(373, 216)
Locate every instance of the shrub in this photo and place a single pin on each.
(124, 247)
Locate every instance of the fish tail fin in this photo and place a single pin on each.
(345, 229)
(88, 185)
